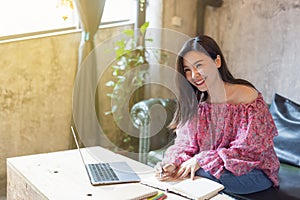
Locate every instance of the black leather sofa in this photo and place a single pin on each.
(152, 146)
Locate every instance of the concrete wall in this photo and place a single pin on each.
(35, 96)
(185, 10)
(260, 40)
(36, 85)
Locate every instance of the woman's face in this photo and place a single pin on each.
(201, 70)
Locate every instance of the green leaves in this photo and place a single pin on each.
(130, 54)
(129, 33)
(110, 84)
(144, 28)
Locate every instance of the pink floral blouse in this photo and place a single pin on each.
(238, 138)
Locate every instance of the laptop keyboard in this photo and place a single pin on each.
(103, 172)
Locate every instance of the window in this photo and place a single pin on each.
(36, 16)
(119, 10)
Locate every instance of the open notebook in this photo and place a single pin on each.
(200, 188)
(132, 191)
(107, 173)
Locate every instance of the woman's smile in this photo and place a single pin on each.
(199, 82)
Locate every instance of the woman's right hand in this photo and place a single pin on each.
(165, 172)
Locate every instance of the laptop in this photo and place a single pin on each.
(107, 173)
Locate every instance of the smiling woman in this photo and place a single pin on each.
(23, 18)
(221, 135)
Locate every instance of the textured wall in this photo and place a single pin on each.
(35, 96)
(260, 39)
(261, 42)
(36, 85)
(186, 10)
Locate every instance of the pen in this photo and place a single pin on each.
(162, 170)
(161, 165)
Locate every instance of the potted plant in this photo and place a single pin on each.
(130, 53)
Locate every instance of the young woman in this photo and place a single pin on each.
(228, 135)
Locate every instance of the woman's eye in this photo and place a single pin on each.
(186, 70)
(198, 66)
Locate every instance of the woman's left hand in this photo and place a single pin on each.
(188, 167)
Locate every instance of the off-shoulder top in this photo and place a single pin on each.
(233, 137)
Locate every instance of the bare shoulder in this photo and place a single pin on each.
(245, 94)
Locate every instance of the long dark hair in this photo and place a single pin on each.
(208, 46)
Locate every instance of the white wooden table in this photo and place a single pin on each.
(62, 176)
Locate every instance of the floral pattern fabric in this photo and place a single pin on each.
(237, 138)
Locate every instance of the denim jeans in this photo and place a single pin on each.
(254, 181)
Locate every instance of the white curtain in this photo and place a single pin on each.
(90, 14)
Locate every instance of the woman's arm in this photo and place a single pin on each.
(184, 146)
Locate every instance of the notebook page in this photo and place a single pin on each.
(133, 191)
(199, 188)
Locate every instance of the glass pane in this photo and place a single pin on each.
(27, 16)
(23, 16)
(119, 10)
